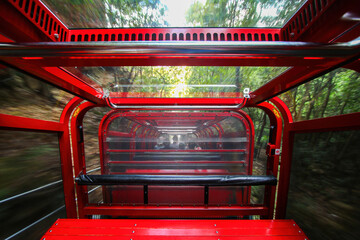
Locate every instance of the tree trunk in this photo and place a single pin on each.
(258, 141)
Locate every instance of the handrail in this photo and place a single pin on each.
(214, 180)
(193, 48)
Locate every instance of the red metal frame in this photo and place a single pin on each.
(66, 160)
(272, 159)
(37, 22)
(77, 140)
(29, 124)
(139, 117)
(325, 21)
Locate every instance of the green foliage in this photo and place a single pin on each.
(234, 13)
(332, 94)
(110, 13)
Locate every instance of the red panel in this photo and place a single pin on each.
(161, 212)
(341, 122)
(177, 101)
(174, 60)
(323, 21)
(29, 124)
(32, 22)
(176, 34)
(174, 229)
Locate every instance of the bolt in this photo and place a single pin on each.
(133, 231)
(135, 225)
(56, 35)
(217, 232)
(50, 231)
(294, 224)
(299, 231)
(215, 225)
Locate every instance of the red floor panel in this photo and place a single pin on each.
(106, 229)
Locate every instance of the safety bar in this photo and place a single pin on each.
(289, 49)
(214, 180)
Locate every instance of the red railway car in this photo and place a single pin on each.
(158, 135)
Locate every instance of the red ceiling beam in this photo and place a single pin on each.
(177, 101)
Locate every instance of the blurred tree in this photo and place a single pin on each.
(109, 13)
(234, 13)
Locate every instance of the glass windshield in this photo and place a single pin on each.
(171, 13)
(177, 81)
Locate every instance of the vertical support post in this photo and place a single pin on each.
(273, 159)
(66, 162)
(287, 147)
(79, 153)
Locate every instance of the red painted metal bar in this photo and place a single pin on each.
(272, 159)
(79, 152)
(160, 229)
(66, 161)
(178, 101)
(184, 161)
(150, 211)
(284, 174)
(336, 123)
(176, 150)
(171, 60)
(29, 124)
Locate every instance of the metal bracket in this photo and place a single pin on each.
(246, 92)
(106, 94)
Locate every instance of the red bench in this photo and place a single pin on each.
(140, 229)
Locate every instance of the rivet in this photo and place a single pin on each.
(56, 35)
(133, 231)
(217, 232)
(215, 225)
(50, 231)
(294, 224)
(135, 225)
(299, 231)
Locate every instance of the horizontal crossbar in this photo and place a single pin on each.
(217, 180)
